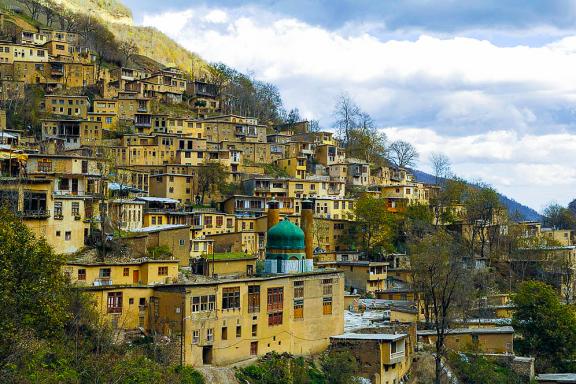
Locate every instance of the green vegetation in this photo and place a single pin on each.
(51, 331)
(272, 368)
(227, 255)
(273, 170)
(377, 225)
(547, 327)
(477, 369)
(161, 252)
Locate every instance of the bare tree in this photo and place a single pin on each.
(50, 11)
(440, 166)
(346, 113)
(439, 277)
(33, 7)
(403, 154)
(210, 176)
(314, 126)
(127, 50)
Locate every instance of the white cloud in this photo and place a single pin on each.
(503, 114)
(216, 16)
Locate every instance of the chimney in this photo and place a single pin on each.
(307, 225)
(273, 213)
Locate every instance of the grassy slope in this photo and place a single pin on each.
(151, 42)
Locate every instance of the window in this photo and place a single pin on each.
(231, 298)
(219, 221)
(298, 289)
(131, 301)
(210, 334)
(195, 336)
(67, 235)
(208, 221)
(275, 299)
(114, 302)
(275, 318)
(81, 274)
(475, 339)
(162, 271)
(299, 186)
(298, 308)
(44, 166)
(196, 304)
(57, 209)
(203, 303)
(126, 272)
(327, 287)
(327, 306)
(254, 348)
(228, 223)
(253, 298)
(104, 273)
(75, 209)
(254, 330)
(57, 233)
(224, 333)
(34, 202)
(238, 331)
(181, 242)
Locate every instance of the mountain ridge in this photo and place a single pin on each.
(525, 212)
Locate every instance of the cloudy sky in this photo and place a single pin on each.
(490, 83)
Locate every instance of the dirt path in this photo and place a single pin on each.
(218, 375)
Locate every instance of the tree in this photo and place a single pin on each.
(346, 113)
(127, 50)
(320, 231)
(447, 201)
(314, 126)
(33, 286)
(211, 176)
(339, 367)
(572, 206)
(547, 327)
(484, 214)
(377, 225)
(366, 142)
(556, 216)
(50, 11)
(438, 271)
(403, 154)
(33, 6)
(440, 166)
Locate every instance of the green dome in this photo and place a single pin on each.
(285, 235)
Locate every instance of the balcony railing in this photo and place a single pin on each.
(396, 356)
(102, 281)
(34, 214)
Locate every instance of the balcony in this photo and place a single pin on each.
(34, 214)
(102, 281)
(377, 276)
(396, 357)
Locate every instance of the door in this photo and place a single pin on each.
(207, 354)
(135, 276)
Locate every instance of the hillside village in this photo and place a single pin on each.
(234, 235)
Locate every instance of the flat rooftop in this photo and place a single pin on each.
(370, 336)
(473, 331)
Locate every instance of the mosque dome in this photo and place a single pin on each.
(285, 236)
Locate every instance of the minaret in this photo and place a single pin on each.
(307, 225)
(273, 213)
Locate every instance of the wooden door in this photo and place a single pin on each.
(135, 277)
